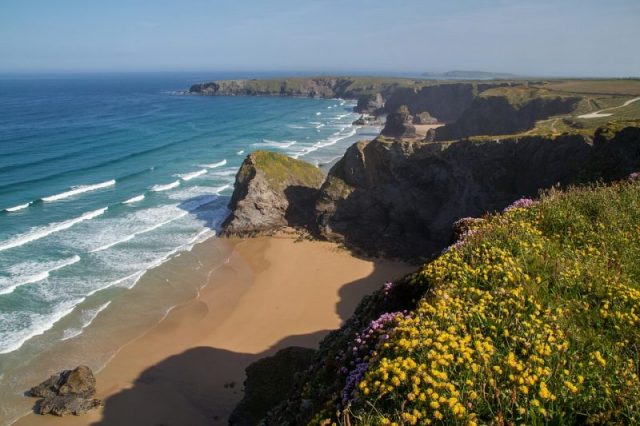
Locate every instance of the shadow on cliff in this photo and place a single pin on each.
(203, 385)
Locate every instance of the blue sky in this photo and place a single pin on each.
(537, 37)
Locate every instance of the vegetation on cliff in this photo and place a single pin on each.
(532, 317)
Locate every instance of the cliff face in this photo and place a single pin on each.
(271, 191)
(446, 102)
(505, 112)
(400, 198)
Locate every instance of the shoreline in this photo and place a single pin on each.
(80, 349)
(250, 307)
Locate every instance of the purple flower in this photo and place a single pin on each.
(387, 287)
(522, 203)
(355, 377)
(634, 176)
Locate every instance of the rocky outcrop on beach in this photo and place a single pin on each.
(370, 103)
(400, 198)
(399, 124)
(272, 191)
(67, 392)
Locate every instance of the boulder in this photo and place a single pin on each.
(272, 191)
(62, 405)
(67, 392)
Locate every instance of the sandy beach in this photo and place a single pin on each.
(422, 129)
(273, 292)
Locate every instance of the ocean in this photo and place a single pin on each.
(103, 178)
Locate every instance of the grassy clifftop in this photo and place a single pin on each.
(532, 317)
(279, 169)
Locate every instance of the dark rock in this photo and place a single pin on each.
(272, 191)
(447, 101)
(361, 121)
(399, 124)
(268, 383)
(61, 405)
(67, 392)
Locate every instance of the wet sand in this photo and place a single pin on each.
(188, 370)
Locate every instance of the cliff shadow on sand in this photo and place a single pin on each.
(203, 384)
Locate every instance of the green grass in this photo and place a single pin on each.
(280, 169)
(629, 87)
(534, 318)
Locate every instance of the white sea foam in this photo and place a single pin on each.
(340, 117)
(88, 315)
(135, 234)
(295, 126)
(41, 232)
(192, 175)
(198, 191)
(18, 207)
(159, 188)
(134, 199)
(240, 152)
(23, 273)
(337, 137)
(11, 340)
(214, 165)
(275, 144)
(136, 275)
(318, 113)
(230, 172)
(75, 190)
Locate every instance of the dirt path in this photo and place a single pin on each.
(599, 114)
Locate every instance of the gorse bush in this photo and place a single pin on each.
(532, 319)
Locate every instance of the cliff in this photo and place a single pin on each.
(400, 198)
(444, 100)
(271, 191)
(505, 111)
(369, 92)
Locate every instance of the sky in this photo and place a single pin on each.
(536, 37)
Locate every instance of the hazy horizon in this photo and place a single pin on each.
(567, 38)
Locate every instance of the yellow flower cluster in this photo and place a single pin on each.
(522, 324)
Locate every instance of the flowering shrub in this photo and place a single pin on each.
(534, 319)
(522, 203)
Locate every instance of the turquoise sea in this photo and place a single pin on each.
(105, 177)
